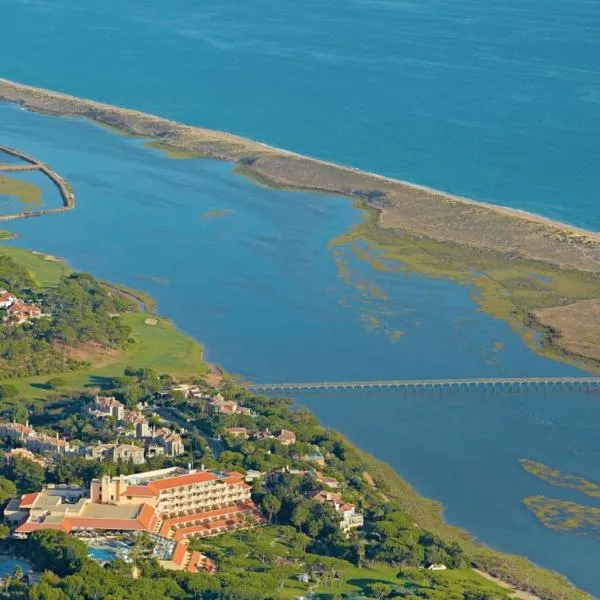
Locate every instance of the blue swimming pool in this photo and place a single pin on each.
(8, 566)
(102, 554)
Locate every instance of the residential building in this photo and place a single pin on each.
(26, 454)
(116, 452)
(169, 440)
(15, 431)
(237, 432)
(252, 475)
(330, 482)
(285, 437)
(6, 299)
(349, 518)
(154, 450)
(189, 390)
(19, 312)
(107, 406)
(219, 406)
(39, 443)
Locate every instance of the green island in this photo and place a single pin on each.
(25, 192)
(559, 478)
(565, 515)
(395, 545)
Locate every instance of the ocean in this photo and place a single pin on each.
(498, 102)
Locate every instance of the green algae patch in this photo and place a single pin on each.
(505, 286)
(394, 335)
(209, 215)
(563, 515)
(561, 479)
(25, 192)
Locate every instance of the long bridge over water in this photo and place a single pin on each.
(507, 384)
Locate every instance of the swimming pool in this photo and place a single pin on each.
(8, 566)
(102, 554)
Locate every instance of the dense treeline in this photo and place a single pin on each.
(14, 277)
(82, 312)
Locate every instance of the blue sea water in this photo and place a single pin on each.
(496, 101)
(248, 272)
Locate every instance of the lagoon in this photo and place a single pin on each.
(248, 272)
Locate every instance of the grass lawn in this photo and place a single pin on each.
(159, 345)
(45, 270)
(236, 554)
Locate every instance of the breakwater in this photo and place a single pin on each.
(66, 192)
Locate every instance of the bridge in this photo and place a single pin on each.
(507, 384)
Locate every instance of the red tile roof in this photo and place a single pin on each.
(139, 491)
(142, 522)
(200, 516)
(144, 517)
(29, 527)
(181, 480)
(27, 500)
(179, 553)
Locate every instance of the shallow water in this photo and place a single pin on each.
(36, 182)
(248, 272)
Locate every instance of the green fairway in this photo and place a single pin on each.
(158, 344)
(46, 270)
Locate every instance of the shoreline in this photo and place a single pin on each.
(360, 193)
(526, 579)
(403, 205)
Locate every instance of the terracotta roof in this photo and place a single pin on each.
(145, 515)
(139, 491)
(29, 527)
(179, 554)
(27, 500)
(194, 560)
(181, 480)
(207, 514)
(140, 523)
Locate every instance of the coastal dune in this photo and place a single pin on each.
(402, 205)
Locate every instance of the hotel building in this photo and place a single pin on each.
(172, 505)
